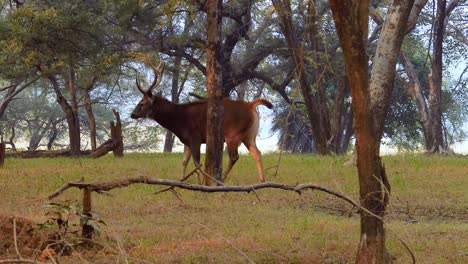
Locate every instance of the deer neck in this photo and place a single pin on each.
(167, 113)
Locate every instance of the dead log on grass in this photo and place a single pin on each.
(115, 143)
(44, 153)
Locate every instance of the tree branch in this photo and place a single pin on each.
(120, 183)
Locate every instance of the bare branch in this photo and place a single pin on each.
(20, 261)
(120, 183)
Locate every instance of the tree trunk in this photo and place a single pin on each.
(435, 82)
(116, 135)
(91, 118)
(351, 21)
(415, 90)
(169, 139)
(215, 111)
(75, 133)
(314, 106)
(348, 132)
(53, 136)
(12, 138)
(37, 130)
(384, 63)
(71, 117)
(2, 154)
(338, 110)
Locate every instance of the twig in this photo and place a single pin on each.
(213, 178)
(50, 255)
(179, 196)
(182, 180)
(15, 240)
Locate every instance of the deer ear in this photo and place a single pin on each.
(159, 94)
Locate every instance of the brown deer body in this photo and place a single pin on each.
(188, 123)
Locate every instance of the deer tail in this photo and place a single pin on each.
(264, 102)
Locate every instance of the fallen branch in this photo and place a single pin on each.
(120, 183)
(44, 154)
(16, 261)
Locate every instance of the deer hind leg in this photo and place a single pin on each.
(233, 157)
(257, 156)
(195, 149)
(185, 161)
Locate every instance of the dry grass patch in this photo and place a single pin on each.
(428, 210)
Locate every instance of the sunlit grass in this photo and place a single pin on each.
(428, 210)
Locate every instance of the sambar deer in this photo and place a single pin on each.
(188, 122)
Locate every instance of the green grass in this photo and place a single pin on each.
(428, 210)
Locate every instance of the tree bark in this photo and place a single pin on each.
(215, 111)
(384, 63)
(351, 21)
(435, 82)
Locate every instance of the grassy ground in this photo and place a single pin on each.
(428, 211)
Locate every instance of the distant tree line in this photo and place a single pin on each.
(65, 66)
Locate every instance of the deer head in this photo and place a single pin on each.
(145, 106)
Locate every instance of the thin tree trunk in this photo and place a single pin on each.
(415, 90)
(12, 137)
(75, 137)
(338, 110)
(215, 111)
(53, 136)
(91, 118)
(71, 118)
(2, 154)
(169, 139)
(435, 81)
(348, 132)
(116, 135)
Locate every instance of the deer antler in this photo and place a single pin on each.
(158, 73)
